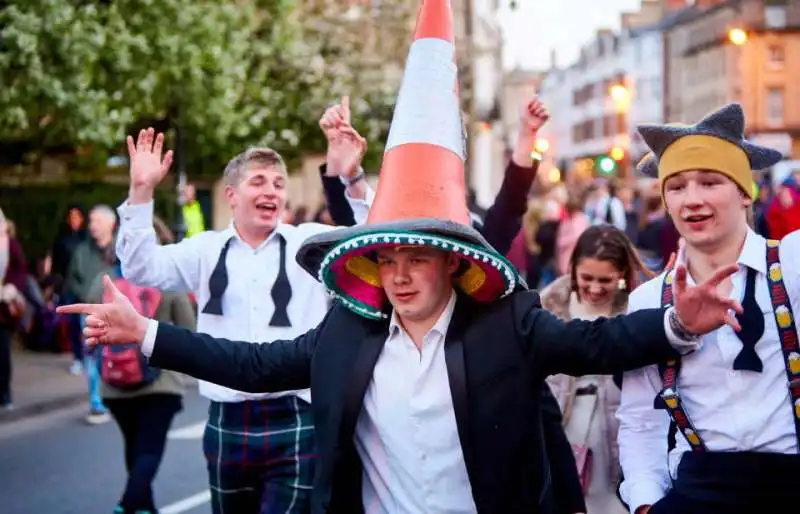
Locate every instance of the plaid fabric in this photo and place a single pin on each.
(260, 456)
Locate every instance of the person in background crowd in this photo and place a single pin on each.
(259, 448)
(628, 197)
(764, 198)
(70, 235)
(13, 274)
(144, 414)
(192, 212)
(569, 230)
(603, 206)
(604, 269)
(783, 213)
(649, 240)
(93, 258)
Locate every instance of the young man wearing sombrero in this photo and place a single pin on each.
(427, 372)
(736, 402)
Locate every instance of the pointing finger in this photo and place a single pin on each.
(679, 283)
(346, 108)
(78, 308)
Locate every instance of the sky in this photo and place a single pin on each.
(537, 26)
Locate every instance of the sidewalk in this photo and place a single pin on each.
(41, 382)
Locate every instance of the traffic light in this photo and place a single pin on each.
(617, 153)
(605, 164)
(542, 145)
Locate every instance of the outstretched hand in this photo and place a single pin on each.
(114, 321)
(701, 308)
(147, 166)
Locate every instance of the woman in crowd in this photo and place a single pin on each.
(144, 412)
(603, 269)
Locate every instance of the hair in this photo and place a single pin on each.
(260, 156)
(608, 243)
(531, 223)
(105, 210)
(575, 201)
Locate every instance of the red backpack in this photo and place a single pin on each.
(124, 366)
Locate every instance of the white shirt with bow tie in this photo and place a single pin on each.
(247, 303)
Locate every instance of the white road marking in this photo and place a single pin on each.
(187, 504)
(194, 431)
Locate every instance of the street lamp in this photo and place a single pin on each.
(737, 36)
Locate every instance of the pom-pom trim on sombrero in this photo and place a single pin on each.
(351, 276)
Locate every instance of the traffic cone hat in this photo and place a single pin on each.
(421, 197)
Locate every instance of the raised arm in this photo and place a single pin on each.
(504, 217)
(346, 149)
(170, 267)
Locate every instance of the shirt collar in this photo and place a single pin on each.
(441, 325)
(753, 254)
(232, 232)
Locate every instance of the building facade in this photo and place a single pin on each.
(745, 51)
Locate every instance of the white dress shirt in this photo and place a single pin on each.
(247, 302)
(407, 435)
(731, 410)
(608, 205)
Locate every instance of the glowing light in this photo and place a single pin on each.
(542, 145)
(737, 36)
(617, 153)
(554, 174)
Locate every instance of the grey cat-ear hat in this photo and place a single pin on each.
(714, 143)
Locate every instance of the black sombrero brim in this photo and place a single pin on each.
(314, 249)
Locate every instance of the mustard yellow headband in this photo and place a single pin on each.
(701, 152)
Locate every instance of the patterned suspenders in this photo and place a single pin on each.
(669, 398)
(784, 318)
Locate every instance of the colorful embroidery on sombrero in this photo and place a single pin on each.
(349, 274)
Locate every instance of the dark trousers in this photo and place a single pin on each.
(144, 422)
(260, 456)
(74, 328)
(5, 366)
(733, 483)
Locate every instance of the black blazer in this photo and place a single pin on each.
(497, 357)
(501, 224)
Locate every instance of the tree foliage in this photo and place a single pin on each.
(80, 75)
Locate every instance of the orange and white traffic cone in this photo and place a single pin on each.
(422, 175)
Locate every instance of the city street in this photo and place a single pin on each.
(56, 463)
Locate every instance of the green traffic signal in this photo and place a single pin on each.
(606, 164)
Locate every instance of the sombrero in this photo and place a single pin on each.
(714, 143)
(421, 197)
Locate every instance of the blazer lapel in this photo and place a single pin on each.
(457, 374)
(364, 363)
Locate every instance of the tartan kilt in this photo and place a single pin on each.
(260, 456)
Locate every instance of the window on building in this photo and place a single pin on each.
(775, 15)
(775, 56)
(775, 106)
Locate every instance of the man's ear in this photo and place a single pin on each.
(747, 200)
(453, 263)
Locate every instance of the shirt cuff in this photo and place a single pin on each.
(149, 341)
(683, 346)
(643, 494)
(136, 216)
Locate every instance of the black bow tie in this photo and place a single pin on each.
(281, 289)
(281, 292)
(752, 322)
(218, 282)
